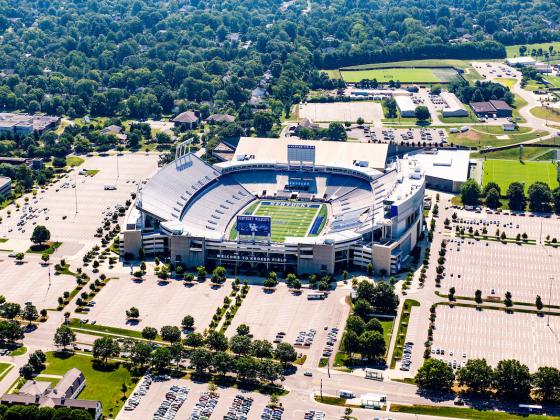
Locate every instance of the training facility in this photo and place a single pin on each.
(285, 205)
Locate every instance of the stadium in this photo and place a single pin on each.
(283, 205)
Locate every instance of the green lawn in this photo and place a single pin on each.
(74, 161)
(2, 240)
(103, 383)
(513, 50)
(546, 114)
(404, 75)
(462, 64)
(103, 330)
(553, 80)
(504, 172)
(19, 351)
(462, 413)
(92, 172)
(4, 369)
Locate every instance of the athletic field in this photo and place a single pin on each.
(504, 172)
(289, 218)
(403, 75)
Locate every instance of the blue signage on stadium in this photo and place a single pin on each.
(257, 225)
(300, 146)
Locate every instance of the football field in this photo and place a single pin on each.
(504, 172)
(289, 218)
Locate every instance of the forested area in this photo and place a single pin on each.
(144, 58)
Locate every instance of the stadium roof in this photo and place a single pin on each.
(334, 153)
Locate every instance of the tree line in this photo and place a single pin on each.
(539, 196)
(509, 380)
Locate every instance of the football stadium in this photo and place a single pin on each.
(283, 205)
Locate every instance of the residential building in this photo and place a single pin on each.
(187, 119)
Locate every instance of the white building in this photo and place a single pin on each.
(455, 107)
(520, 61)
(445, 170)
(406, 107)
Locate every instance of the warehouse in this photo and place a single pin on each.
(445, 170)
(454, 106)
(520, 61)
(407, 108)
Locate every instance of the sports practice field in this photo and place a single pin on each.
(504, 172)
(404, 75)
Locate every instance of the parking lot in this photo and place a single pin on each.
(495, 268)
(342, 111)
(267, 314)
(465, 333)
(159, 304)
(29, 282)
(55, 207)
(509, 222)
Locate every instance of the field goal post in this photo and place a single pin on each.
(183, 148)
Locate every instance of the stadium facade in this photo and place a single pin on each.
(368, 210)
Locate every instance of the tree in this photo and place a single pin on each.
(422, 113)
(362, 308)
(508, 301)
(390, 106)
(160, 358)
(546, 382)
(200, 360)
(243, 329)
(478, 296)
(360, 121)
(512, 380)
(539, 303)
(356, 324)
(556, 200)
(30, 313)
(11, 310)
(27, 371)
(374, 325)
(351, 342)
(489, 186)
(246, 368)
(64, 336)
(285, 353)
(177, 352)
(263, 349)
(222, 362)
(170, 333)
(133, 313)
(104, 348)
(516, 196)
(40, 234)
(140, 354)
(194, 340)
(470, 193)
(540, 197)
(336, 132)
(477, 375)
(263, 122)
(435, 374)
(217, 341)
(240, 344)
(37, 360)
(372, 344)
(188, 322)
(493, 199)
(149, 333)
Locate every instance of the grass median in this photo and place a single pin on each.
(462, 413)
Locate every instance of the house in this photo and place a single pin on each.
(306, 123)
(64, 394)
(116, 131)
(187, 119)
(220, 118)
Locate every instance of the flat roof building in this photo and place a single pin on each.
(406, 107)
(5, 186)
(24, 124)
(520, 61)
(445, 170)
(455, 107)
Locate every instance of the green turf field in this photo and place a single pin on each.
(504, 172)
(404, 75)
(287, 220)
(385, 75)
